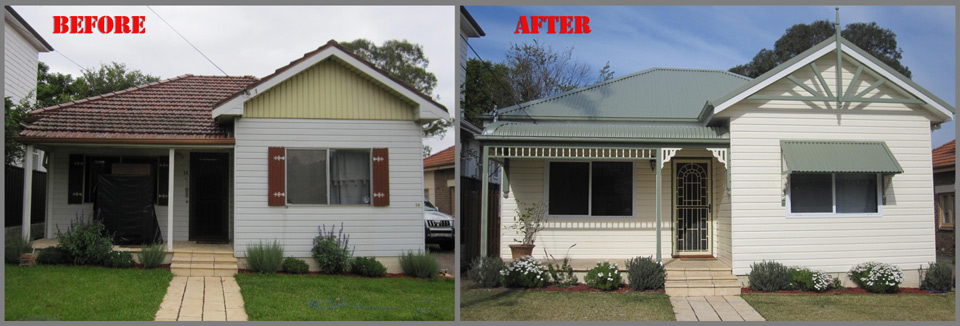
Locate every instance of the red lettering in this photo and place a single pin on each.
(122, 24)
(552, 28)
(106, 25)
(138, 27)
(534, 26)
(60, 24)
(75, 22)
(566, 24)
(522, 27)
(89, 22)
(583, 24)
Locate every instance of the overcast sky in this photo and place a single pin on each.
(248, 40)
(637, 38)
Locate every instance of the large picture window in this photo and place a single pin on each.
(328, 176)
(590, 188)
(834, 194)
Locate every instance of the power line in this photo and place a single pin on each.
(519, 105)
(71, 60)
(188, 41)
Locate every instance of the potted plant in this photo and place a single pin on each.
(527, 222)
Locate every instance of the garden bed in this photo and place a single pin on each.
(388, 275)
(579, 287)
(856, 290)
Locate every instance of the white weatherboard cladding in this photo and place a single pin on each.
(374, 231)
(62, 213)
(601, 238)
(903, 236)
(19, 66)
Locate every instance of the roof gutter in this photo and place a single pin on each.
(596, 139)
(132, 141)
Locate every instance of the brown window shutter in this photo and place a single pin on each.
(276, 176)
(163, 180)
(75, 179)
(381, 177)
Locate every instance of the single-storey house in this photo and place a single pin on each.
(944, 188)
(328, 139)
(822, 162)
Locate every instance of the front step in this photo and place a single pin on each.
(203, 264)
(690, 278)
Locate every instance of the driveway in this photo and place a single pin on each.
(446, 258)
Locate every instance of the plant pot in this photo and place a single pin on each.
(520, 250)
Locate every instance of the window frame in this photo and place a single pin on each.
(941, 200)
(633, 191)
(286, 169)
(833, 189)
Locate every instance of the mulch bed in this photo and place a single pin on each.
(579, 287)
(856, 290)
(388, 275)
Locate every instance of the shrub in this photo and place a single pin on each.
(526, 272)
(14, 247)
(645, 274)
(331, 251)
(120, 259)
(604, 276)
(264, 258)
(53, 256)
(86, 241)
(768, 276)
(368, 266)
(562, 274)
(420, 264)
(485, 271)
(877, 277)
(295, 266)
(804, 279)
(152, 256)
(939, 278)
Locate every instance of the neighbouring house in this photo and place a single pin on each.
(822, 162)
(439, 180)
(944, 188)
(328, 140)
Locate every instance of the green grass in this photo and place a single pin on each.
(83, 293)
(282, 297)
(897, 307)
(501, 304)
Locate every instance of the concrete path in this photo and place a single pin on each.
(202, 298)
(713, 308)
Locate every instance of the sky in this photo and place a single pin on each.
(248, 40)
(720, 37)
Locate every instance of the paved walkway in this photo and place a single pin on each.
(202, 298)
(714, 308)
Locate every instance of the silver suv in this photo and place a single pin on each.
(438, 227)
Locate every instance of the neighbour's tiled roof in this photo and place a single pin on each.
(441, 158)
(945, 155)
(175, 109)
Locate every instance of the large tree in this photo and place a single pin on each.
(879, 42)
(405, 61)
(529, 71)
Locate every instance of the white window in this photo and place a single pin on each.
(834, 194)
(590, 189)
(328, 176)
(945, 210)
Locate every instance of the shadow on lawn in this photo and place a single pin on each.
(502, 294)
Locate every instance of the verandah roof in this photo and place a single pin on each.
(607, 132)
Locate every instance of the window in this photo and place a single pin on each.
(335, 176)
(590, 188)
(946, 210)
(834, 194)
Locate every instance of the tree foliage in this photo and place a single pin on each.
(879, 42)
(54, 88)
(13, 115)
(529, 71)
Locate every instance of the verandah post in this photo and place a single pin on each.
(659, 199)
(170, 202)
(27, 190)
(483, 201)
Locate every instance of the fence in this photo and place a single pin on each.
(13, 201)
(470, 219)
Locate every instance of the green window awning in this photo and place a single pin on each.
(828, 156)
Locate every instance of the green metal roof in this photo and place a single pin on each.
(605, 131)
(657, 93)
(823, 156)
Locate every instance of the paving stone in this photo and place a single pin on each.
(236, 315)
(703, 309)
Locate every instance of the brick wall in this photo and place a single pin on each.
(443, 192)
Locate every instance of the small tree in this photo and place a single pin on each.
(528, 221)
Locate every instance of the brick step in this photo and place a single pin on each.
(698, 273)
(180, 271)
(701, 291)
(693, 284)
(211, 259)
(727, 277)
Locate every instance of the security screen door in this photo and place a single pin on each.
(692, 207)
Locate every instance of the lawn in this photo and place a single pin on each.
(281, 297)
(83, 293)
(896, 307)
(501, 304)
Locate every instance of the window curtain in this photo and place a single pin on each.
(350, 177)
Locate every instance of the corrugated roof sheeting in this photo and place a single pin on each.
(613, 131)
(825, 156)
(654, 93)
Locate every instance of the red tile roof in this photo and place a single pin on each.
(440, 159)
(945, 155)
(175, 110)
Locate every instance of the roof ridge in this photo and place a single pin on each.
(106, 95)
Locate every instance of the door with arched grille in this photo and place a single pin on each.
(692, 210)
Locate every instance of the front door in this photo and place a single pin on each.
(208, 196)
(691, 206)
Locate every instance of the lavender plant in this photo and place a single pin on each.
(331, 250)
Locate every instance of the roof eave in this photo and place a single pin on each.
(26, 30)
(125, 141)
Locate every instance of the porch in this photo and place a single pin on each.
(188, 258)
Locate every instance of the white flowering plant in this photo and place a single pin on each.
(805, 279)
(526, 272)
(605, 276)
(877, 277)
